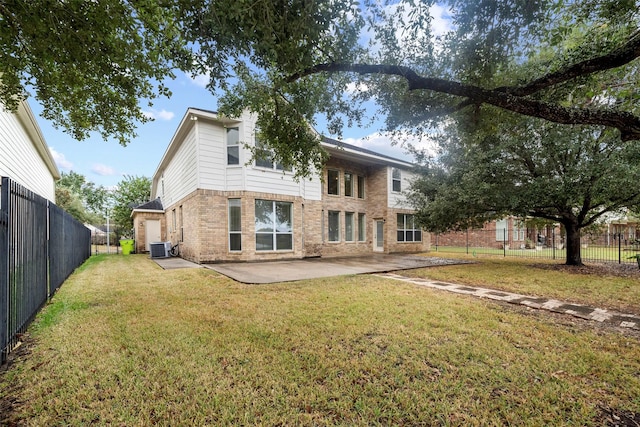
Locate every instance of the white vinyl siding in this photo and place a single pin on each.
(180, 176)
(397, 199)
(212, 158)
(20, 159)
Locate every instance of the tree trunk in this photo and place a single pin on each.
(573, 244)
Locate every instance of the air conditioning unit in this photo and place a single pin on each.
(160, 249)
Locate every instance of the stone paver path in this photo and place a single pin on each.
(585, 312)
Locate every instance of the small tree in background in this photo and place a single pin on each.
(129, 193)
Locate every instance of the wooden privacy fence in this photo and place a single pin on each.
(40, 246)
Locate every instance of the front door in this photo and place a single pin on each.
(151, 232)
(378, 238)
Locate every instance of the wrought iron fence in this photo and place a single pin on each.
(40, 246)
(594, 247)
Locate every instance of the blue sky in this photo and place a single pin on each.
(105, 162)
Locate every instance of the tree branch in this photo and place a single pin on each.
(617, 58)
(627, 123)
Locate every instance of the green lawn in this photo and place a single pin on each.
(126, 343)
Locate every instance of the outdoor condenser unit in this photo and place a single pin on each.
(160, 249)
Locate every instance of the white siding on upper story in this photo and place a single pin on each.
(212, 160)
(20, 160)
(180, 177)
(399, 200)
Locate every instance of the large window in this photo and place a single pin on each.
(274, 225)
(334, 226)
(407, 230)
(396, 178)
(233, 146)
(333, 182)
(360, 187)
(235, 225)
(362, 228)
(349, 227)
(348, 184)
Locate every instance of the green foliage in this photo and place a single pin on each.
(572, 176)
(93, 198)
(89, 63)
(131, 192)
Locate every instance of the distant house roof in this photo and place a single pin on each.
(153, 205)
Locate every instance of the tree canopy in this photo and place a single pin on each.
(571, 63)
(296, 60)
(83, 199)
(573, 176)
(89, 63)
(130, 192)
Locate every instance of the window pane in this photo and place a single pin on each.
(264, 216)
(361, 187)
(264, 160)
(284, 242)
(348, 184)
(348, 226)
(333, 178)
(400, 236)
(264, 242)
(409, 234)
(418, 236)
(400, 221)
(235, 242)
(235, 221)
(334, 226)
(233, 136)
(362, 228)
(233, 155)
(283, 217)
(396, 178)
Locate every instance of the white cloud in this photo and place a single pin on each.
(200, 80)
(102, 170)
(60, 159)
(162, 114)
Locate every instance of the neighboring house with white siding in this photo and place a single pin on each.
(218, 205)
(24, 155)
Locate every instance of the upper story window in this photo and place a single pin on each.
(233, 146)
(360, 187)
(264, 156)
(333, 182)
(396, 178)
(348, 184)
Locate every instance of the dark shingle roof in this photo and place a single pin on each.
(153, 205)
(340, 144)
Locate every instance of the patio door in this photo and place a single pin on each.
(378, 235)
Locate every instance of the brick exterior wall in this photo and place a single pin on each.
(202, 221)
(139, 219)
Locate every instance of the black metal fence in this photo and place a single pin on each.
(595, 246)
(40, 246)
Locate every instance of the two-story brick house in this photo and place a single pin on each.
(218, 205)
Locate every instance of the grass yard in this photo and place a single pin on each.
(125, 342)
(591, 285)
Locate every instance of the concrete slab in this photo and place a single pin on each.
(173, 263)
(311, 268)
